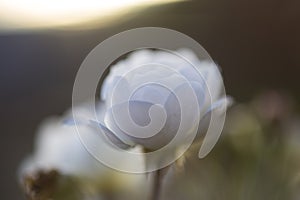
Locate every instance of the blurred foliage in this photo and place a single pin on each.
(257, 157)
(52, 185)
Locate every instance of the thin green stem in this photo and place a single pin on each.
(157, 185)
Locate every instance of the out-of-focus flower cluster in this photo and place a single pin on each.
(258, 156)
(146, 100)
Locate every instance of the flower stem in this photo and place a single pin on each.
(157, 184)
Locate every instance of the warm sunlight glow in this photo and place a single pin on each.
(48, 13)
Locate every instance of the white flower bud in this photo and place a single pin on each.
(152, 94)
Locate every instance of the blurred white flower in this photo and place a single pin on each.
(58, 147)
(153, 89)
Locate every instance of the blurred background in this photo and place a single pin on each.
(255, 42)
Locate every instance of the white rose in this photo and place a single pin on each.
(151, 94)
(58, 147)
